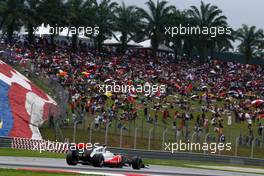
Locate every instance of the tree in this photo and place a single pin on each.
(128, 22)
(31, 17)
(156, 18)
(104, 19)
(251, 39)
(79, 13)
(208, 16)
(223, 43)
(56, 15)
(11, 12)
(177, 42)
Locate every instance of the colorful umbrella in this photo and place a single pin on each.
(63, 73)
(86, 74)
(261, 116)
(108, 94)
(257, 103)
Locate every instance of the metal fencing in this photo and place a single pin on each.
(133, 139)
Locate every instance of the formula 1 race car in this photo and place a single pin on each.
(99, 157)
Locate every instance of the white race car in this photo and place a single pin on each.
(99, 157)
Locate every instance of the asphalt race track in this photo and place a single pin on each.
(60, 164)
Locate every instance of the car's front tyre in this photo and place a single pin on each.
(136, 163)
(98, 160)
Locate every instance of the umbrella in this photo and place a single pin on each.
(233, 93)
(85, 74)
(209, 95)
(133, 95)
(213, 71)
(194, 96)
(222, 94)
(257, 102)
(107, 80)
(63, 73)
(212, 111)
(261, 116)
(108, 94)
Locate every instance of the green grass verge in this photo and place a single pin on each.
(13, 172)
(164, 162)
(29, 153)
(185, 163)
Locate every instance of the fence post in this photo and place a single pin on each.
(129, 127)
(163, 137)
(192, 140)
(58, 130)
(262, 140)
(205, 140)
(262, 143)
(90, 132)
(115, 119)
(106, 133)
(175, 134)
(150, 133)
(135, 139)
(121, 135)
(154, 130)
(252, 147)
(142, 126)
(74, 130)
(237, 139)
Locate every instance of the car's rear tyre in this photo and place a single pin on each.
(71, 158)
(98, 160)
(136, 163)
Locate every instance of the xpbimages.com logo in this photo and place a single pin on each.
(60, 146)
(212, 31)
(205, 147)
(62, 30)
(147, 89)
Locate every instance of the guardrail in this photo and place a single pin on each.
(155, 154)
(5, 142)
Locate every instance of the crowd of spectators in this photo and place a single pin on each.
(211, 93)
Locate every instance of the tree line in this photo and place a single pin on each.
(133, 22)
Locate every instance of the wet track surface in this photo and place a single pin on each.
(60, 164)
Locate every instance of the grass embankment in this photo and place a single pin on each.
(29, 153)
(14, 172)
(143, 129)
